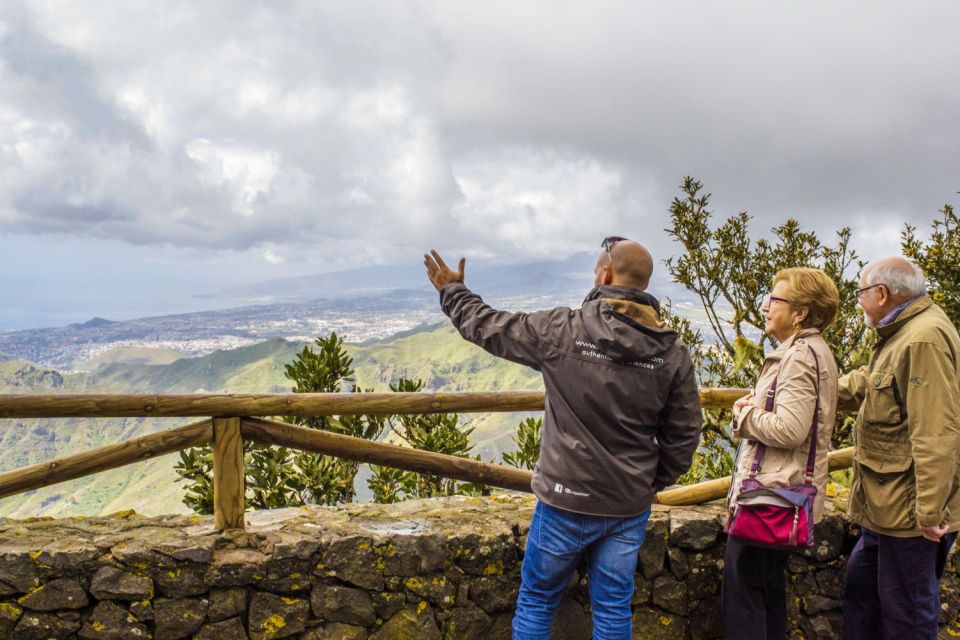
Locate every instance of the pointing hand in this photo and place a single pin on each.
(439, 273)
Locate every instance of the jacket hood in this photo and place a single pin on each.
(629, 294)
(625, 323)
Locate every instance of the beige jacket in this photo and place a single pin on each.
(785, 431)
(907, 435)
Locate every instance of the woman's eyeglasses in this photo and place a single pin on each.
(764, 301)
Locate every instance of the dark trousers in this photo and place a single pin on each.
(753, 595)
(893, 587)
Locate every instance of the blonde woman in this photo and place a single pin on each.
(803, 303)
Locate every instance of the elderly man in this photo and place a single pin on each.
(906, 489)
(622, 420)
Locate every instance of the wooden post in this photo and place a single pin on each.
(228, 477)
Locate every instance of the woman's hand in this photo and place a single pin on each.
(742, 404)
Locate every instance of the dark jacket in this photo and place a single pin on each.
(907, 434)
(622, 416)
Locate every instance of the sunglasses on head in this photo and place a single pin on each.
(609, 241)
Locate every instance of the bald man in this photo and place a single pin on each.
(906, 489)
(622, 421)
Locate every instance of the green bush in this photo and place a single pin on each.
(278, 477)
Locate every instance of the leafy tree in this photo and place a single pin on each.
(939, 260)
(322, 479)
(195, 467)
(279, 477)
(730, 273)
(390, 484)
(526, 445)
(437, 432)
(272, 480)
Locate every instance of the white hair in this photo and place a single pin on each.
(904, 279)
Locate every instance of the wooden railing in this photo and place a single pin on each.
(233, 418)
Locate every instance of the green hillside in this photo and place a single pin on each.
(447, 362)
(436, 354)
(257, 368)
(132, 355)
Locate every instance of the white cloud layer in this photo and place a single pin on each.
(375, 129)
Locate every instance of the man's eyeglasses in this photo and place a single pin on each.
(608, 243)
(860, 292)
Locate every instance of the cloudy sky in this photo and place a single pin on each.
(151, 150)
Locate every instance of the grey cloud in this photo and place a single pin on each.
(373, 129)
(47, 80)
(815, 106)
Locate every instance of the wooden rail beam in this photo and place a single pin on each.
(265, 404)
(227, 431)
(391, 455)
(287, 435)
(715, 489)
(288, 404)
(111, 456)
(228, 476)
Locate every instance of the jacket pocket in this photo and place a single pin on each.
(880, 406)
(889, 488)
(772, 461)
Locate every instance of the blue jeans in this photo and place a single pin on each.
(556, 541)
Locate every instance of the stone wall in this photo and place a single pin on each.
(420, 570)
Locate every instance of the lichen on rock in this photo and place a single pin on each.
(441, 568)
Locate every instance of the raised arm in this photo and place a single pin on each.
(513, 336)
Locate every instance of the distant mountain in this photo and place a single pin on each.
(203, 332)
(93, 323)
(545, 276)
(362, 304)
(132, 355)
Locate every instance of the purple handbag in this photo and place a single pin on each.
(777, 517)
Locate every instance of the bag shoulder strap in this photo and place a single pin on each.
(769, 405)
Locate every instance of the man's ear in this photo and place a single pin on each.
(884, 297)
(607, 275)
